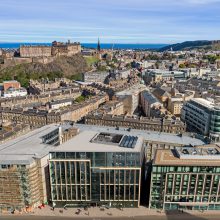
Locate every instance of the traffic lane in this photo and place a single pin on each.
(167, 217)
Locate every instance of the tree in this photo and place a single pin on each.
(182, 66)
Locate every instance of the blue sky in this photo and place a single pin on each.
(114, 21)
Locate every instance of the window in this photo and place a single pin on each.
(4, 166)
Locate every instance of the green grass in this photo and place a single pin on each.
(91, 60)
(77, 77)
(80, 99)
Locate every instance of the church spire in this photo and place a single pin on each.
(98, 46)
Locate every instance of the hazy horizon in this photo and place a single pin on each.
(91, 45)
(36, 42)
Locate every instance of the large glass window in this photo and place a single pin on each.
(60, 155)
(99, 159)
(70, 155)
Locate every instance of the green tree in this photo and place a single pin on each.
(182, 66)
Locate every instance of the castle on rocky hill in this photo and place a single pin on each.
(57, 49)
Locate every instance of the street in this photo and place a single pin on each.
(168, 217)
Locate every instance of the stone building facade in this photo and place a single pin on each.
(56, 86)
(43, 99)
(35, 51)
(12, 131)
(140, 123)
(39, 118)
(65, 49)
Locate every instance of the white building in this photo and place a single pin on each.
(60, 103)
(13, 92)
(97, 77)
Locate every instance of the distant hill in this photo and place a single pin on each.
(188, 45)
(60, 67)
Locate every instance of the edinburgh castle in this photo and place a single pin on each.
(57, 49)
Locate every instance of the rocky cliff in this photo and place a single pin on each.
(59, 67)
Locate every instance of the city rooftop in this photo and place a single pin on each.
(194, 156)
(146, 135)
(204, 102)
(24, 149)
(90, 140)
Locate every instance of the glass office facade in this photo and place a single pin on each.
(101, 178)
(185, 187)
(215, 125)
(203, 119)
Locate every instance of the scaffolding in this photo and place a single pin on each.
(19, 188)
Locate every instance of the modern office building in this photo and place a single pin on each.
(100, 165)
(97, 168)
(153, 140)
(186, 178)
(202, 116)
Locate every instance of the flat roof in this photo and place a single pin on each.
(134, 90)
(168, 158)
(203, 102)
(146, 135)
(10, 81)
(83, 142)
(211, 152)
(23, 149)
(161, 71)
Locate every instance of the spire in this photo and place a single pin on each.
(98, 46)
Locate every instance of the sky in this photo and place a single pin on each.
(113, 21)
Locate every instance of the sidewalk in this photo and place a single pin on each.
(113, 212)
(97, 212)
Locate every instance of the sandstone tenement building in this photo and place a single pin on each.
(42, 99)
(39, 118)
(12, 131)
(44, 86)
(141, 123)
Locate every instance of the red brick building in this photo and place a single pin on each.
(11, 84)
